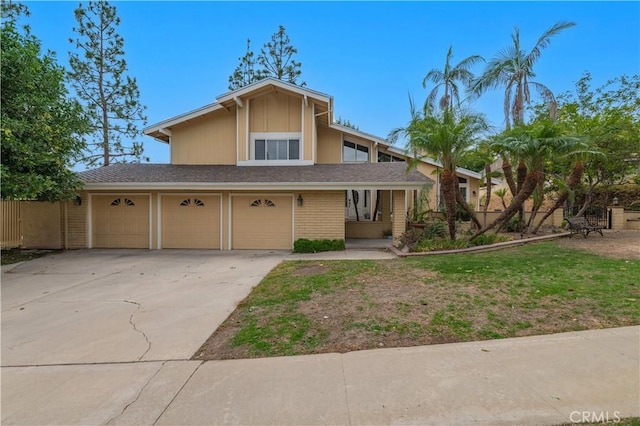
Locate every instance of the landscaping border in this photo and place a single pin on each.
(490, 247)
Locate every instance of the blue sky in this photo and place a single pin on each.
(368, 55)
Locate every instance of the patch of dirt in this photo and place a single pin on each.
(306, 270)
(397, 305)
(618, 244)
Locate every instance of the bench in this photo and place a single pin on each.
(580, 225)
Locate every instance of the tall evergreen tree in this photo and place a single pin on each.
(246, 72)
(277, 58)
(112, 99)
(40, 126)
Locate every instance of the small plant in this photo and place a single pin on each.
(387, 233)
(439, 244)
(435, 229)
(410, 237)
(486, 239)
(304, 245)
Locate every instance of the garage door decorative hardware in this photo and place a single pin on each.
(258, 203)
(118, 201)
(195, 202)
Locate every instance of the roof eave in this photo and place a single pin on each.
(229, 96)
(252, 186)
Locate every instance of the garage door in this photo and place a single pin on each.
(120, 221)
(261, 222)
(191, 221)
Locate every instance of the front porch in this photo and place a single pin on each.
(385, 216)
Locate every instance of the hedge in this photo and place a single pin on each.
(314, 246)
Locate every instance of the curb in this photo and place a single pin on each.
(478, 249)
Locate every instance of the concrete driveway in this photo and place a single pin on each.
(98, 306)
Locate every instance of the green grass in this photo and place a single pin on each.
(314, 307)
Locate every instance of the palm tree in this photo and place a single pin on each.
(447, 78)
(512, 68)
(534, 144)
(445, 136)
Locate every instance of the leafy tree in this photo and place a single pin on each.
(512, 69)
(41, 127)
(609, 118)
(446, 136)
(447, 79)
(112, 99)
(276, 58)
(246, 72)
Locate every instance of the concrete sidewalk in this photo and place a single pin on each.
(551, 379)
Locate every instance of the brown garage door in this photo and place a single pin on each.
(120, 221)
(262, 222)
(191, 221)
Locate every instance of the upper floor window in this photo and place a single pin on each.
(354, 153)
(276, 146)
(383, 157)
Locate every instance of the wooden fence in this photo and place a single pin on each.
(10, 231)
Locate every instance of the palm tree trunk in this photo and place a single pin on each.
(448, 180)
(528, 187)
(572, 182)
(487, 198)
(507, 169)
(463, 203)
(521, 173)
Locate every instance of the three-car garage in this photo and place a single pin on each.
(191, 221)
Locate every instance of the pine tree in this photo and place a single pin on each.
(111, 98)
(277, 58)
(246, 72)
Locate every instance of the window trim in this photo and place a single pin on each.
(288, 136)
(356, 145)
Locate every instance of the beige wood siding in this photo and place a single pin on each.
(191, 221)
(206, 140)
(321, 215)
(261, 222)
(241, 131)
(328, 146)
(120, 221)
(10, 231)
(308, 132)
(275, 112)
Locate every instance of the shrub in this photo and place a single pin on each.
(314, 246)
(410, 237)
(435, 229)
(440, 244)
(513, 225)
(486, 239)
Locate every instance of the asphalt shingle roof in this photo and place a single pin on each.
(363, 173)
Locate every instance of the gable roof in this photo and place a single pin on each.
(227, 177)
(159, 130)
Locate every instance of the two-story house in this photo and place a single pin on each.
(259, 168)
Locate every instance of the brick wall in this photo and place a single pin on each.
(321, 216)
(76, 228)
(399, 223)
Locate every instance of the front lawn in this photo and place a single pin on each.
(306, 307)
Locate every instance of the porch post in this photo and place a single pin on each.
(399, 214)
